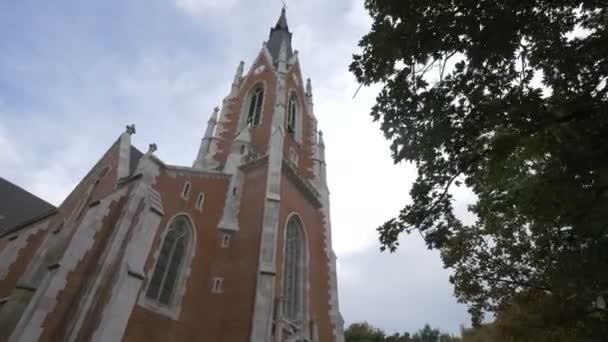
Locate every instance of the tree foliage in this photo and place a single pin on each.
(364, 332)
(510, 98)
(520, 322)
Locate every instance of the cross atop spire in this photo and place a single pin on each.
(279, 35)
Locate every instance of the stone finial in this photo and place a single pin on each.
(130, 129)
(321, 142)
(152, 148)
(211, 123)
(239, 72)
(214, 116)
(308, 88)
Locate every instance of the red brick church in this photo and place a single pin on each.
(235, 248)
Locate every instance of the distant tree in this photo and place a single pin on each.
(482, 333)
(363, 332)
(511, 98)
(397, 338)
(519, 323)
(523, 320)
(427, 334)
(359, 332)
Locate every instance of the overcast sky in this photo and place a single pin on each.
(74, 73)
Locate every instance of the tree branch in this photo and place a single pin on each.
(445, 61)
(518, 283)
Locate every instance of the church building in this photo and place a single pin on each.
(235, 248)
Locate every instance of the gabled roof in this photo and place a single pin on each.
(18, 206)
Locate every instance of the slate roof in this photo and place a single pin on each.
(18, 206)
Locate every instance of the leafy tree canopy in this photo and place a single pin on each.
(510, 98)
(364, 332)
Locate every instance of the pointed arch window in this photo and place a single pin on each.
(186, 190)
(199, 201)
(254, 112)
(295, 271)
(292, 114)
(170, 264)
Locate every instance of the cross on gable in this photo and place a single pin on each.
(131, 129)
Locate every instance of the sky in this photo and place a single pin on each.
(74, 73)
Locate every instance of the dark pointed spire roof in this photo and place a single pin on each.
(278, 34)
(282, 22)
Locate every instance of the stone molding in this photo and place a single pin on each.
(172, 311)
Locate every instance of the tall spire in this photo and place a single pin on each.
(282, 22)
(279, 34)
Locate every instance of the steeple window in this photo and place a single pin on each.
(292, 115)
(186, 190)
(254, 112)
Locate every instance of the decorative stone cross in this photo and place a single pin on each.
(131, 129)
(152, 148)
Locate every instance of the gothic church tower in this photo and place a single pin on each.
(236, 248)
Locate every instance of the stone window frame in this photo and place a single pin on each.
(243, 115)
(200, 200)
(187, 189)
(173, 310)
(255, 108)
(293, 123)
(299, 113)
(305, 266)
(217, 285)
